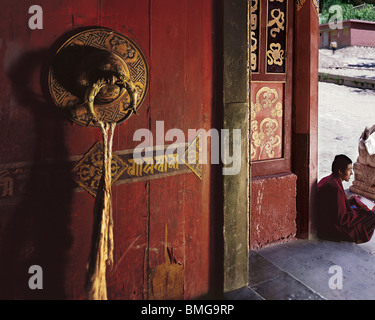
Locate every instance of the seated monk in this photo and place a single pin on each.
(340, 218)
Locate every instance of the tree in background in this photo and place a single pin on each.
(325, 4)
(348, 12)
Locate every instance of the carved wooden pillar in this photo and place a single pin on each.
(305, 110)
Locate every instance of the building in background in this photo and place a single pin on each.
(352, 33)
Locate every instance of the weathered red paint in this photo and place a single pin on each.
(273, 212)
(300, 129)
(52, 225)
(305, 111)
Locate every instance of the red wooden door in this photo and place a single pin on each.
(272, 214)
(161, 222)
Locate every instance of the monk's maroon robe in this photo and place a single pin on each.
(337, 219)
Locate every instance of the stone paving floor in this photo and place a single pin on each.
(309, 270)
(352, 59)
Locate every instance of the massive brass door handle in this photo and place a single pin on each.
(109, 70)
(99, 75)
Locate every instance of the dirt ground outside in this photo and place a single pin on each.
(344, 112)
(343, 115)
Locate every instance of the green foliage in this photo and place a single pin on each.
(348, 12)
(325, 4)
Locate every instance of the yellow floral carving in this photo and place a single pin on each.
(300, 4)
(266, 94)
(263, 134)
(252, 109)
(275, 54)
(278, 19)
(271, 144)
(253, 151)
(253, 57)
(277, 111)
(253, 16)
(253, 27)
(270, 126)
(254, 45)
(258, 137)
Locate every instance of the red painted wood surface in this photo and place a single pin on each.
(274, 223)
(305, 140)
(51, 225)
(283, 163)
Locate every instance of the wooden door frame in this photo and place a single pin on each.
(305, 114)
(235, 106)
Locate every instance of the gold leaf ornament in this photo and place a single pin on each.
(275, 54)
(277, 111)
(300, 4)
(265, 136)
(278, 20)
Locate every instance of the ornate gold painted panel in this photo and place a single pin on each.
(254, 35)
(299, 4)
(276, 36)
(267, 114)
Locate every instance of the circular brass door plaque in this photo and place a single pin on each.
(92, 56)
